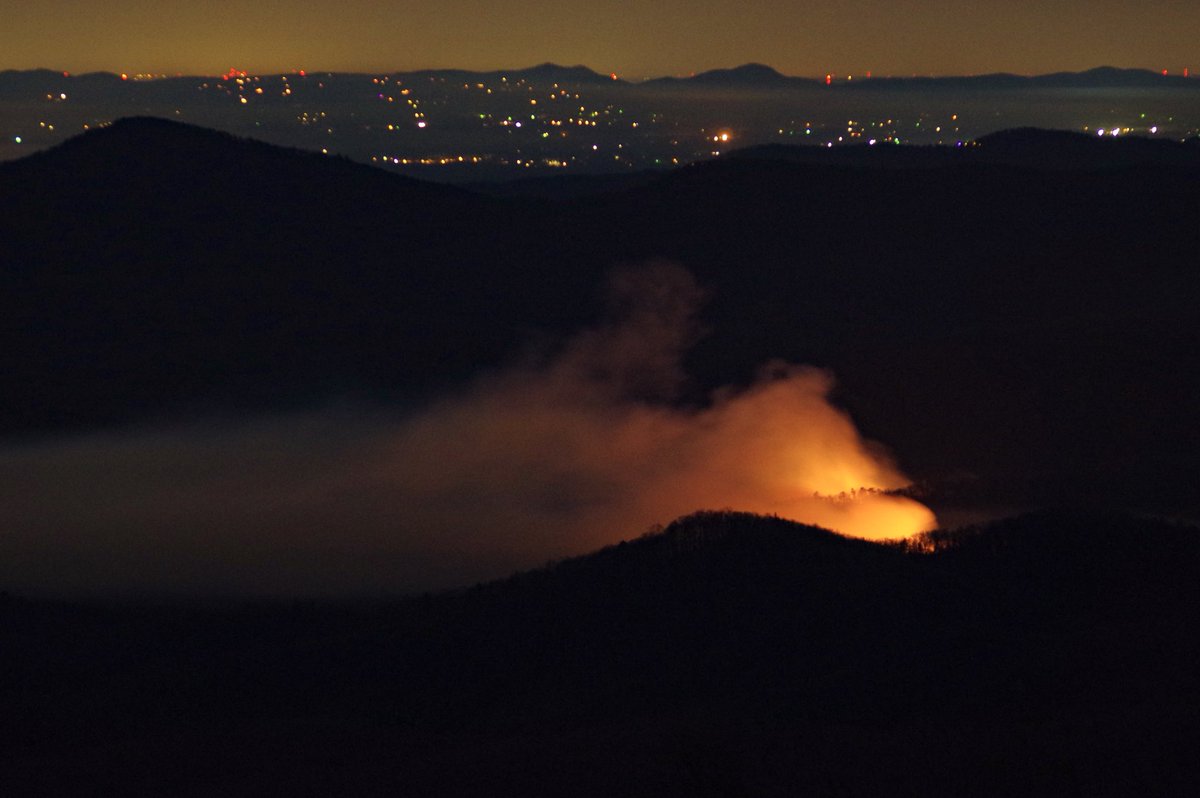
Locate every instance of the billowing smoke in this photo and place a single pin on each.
(551, 457)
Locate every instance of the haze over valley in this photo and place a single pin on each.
(463, 126)
(545, 432)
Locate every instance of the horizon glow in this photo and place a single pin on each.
(636, 41)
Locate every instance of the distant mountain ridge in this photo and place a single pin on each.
(763, 76)
(546, 72)
(748, 74)
(1098, 77)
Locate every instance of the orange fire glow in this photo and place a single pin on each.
(531, 462)
(564, 447)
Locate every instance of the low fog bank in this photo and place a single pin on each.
(549, 457)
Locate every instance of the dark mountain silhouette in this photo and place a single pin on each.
(744, 76)
(16, 84)
(545, 73)
(1056, 149)
(23, 86)
(1104, 77)
(857, 155)
(1029, 327)
(150, 264)
(563, 187)
(1098, 78)
(1061, 150)
(1107, 76)
(564, 74)
(727, 655)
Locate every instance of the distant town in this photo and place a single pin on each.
(460, 126)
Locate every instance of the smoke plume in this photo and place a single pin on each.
(546, 458)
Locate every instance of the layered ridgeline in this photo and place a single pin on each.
(459, 126)
(1015, 317)
(725, 655)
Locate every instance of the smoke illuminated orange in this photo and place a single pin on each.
(529, 463)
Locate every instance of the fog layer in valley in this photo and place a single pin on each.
(552, 456)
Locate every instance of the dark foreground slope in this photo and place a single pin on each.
(1052, 150)
(1023, 319)
(153, 269)
(728, 655)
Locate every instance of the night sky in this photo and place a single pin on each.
(636, 39)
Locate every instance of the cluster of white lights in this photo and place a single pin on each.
(1116, 131)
